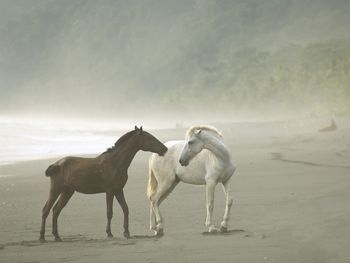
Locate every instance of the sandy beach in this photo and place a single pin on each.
(291, 204)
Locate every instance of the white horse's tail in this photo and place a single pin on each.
(152, 183)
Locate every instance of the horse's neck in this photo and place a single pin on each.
(124, 154)
(218, 148)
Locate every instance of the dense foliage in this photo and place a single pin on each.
(314, 78)
(230, 55)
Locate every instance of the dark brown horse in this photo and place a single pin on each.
(107, 173)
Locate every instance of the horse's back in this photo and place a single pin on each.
(80, 174)
(69, 165)
(57, 167)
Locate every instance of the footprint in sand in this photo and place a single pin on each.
(276, 156)
(279, 157)
(71, 239)
(340, 155)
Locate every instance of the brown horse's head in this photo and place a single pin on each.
(149, 143)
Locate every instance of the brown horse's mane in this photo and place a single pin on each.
(120, 141)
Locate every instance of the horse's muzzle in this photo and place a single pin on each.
(163, 152)
(183, 163)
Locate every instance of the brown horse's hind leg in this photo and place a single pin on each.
(46, 210)
(64, 198)
(121, 200)
(109, 201)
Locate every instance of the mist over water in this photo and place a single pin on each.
(70, 69)
(27, 140)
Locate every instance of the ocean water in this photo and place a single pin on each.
(28, 140)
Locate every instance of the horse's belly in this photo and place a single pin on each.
(198, 180)
(86, 184)
(191, 174)
(89, 190)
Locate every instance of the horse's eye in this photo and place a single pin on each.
(190, 142)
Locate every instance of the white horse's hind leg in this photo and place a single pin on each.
(152, 219)
(210, 192)
(227, 190)
(164, 188)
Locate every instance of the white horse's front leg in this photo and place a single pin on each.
(210, 191)
(229, 200)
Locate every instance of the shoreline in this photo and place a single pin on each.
(283, 211)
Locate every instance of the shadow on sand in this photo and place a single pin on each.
(154, 237)
(226, 233)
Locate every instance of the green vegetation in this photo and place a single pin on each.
(227, 55)
(315, 78)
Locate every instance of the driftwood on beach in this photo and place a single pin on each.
(329, 128)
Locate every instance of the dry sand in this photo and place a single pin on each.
(292, 204)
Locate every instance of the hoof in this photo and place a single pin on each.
(109, 236)
(58, 239)
(42, 240)
(223, 229)
(160, 232)
(213, 229)
(127, 234)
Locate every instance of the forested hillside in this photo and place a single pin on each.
(232, 56)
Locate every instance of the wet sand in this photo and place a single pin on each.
(292, 204)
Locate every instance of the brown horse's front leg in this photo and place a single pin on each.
(121, 200)
(109, 201)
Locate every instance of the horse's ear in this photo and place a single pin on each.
(197, 132)
(136, 128)
(141, 128)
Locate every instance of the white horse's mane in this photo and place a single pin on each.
(208, 128)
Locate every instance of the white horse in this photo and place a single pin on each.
(204, 159)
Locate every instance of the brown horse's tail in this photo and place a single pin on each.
(52, 170)
(152, 183)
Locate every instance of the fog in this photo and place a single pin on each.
(273, 76)
(156, 61)
(75, 74)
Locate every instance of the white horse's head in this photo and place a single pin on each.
(192, 147)
(197, 137)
